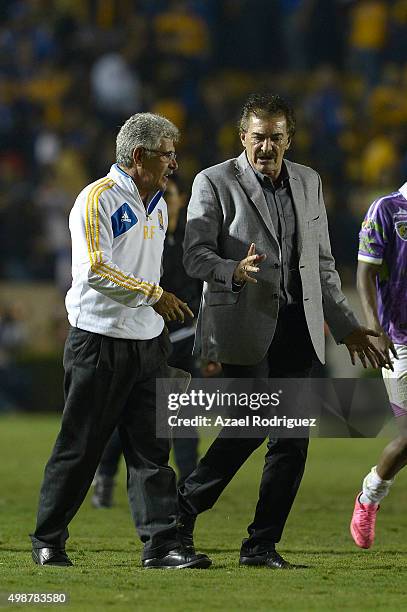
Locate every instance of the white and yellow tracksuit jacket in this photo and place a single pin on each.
(117, 247)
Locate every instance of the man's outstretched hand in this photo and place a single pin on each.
(386, 346)
(172, 308)
(358, 343)
(248, 264)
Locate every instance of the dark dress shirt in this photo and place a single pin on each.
(280, 203)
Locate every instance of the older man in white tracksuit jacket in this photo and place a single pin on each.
(116, 348)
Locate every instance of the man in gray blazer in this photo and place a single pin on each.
(257, 235)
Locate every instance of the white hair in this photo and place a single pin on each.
(142, 130)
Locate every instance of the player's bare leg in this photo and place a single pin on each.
(376, 486)
(394, 456)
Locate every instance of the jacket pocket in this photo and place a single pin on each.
(81, 347)
(313, 222)
(221, 298)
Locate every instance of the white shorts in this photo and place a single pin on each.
(396, 382)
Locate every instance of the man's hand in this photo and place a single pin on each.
(172, 308)
(359, 343)
(248, 264)
(386, 346)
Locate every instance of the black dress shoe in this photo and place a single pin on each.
(185, 526)
(51, 556)
(270, 559)
(177, 559)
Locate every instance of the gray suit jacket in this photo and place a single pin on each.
(227, 212)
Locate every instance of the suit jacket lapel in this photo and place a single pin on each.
(297, 192)
(251, 186)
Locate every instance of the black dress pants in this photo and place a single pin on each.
(110, 382)
(185, 449)
(290, 355)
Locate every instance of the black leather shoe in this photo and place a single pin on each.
(270, 559)
(178, 558)
(185, 526)
(51, 556)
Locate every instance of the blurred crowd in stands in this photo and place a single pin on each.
(13, 336)
(72, 70)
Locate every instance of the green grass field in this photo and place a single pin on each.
(105, 550)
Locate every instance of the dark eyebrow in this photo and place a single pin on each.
(273, 134)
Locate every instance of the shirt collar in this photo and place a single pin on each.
(123, 179)
(403, 191)
(266, 180)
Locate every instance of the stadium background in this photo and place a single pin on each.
(72, 70)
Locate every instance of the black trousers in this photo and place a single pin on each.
(185, 449)
(185, 452)
(290, 355)
(110, 382)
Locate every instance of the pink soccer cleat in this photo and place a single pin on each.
(362, 525)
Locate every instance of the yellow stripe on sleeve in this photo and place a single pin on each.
(88, 220)
(135, 284)
(96, 256)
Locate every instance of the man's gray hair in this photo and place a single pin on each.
(142, 130)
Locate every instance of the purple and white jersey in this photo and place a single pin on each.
(383, 241)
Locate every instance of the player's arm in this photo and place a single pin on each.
(373, 241)
(366, 284)
(367, 274)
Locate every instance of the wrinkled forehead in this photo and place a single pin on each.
(267, 124)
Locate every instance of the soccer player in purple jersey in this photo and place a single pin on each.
(382, 286)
